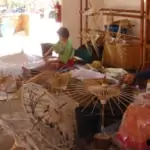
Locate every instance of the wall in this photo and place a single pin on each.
(2, 2)
(71, 17)
(125, 4)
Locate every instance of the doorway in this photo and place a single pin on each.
(35, 26)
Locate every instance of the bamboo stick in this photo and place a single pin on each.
(123, 15)
(115, 10)
(111, 108)
(81, 21)
(117, 14)
(148, 13)
(114, 100)
(147, 32)
(142, 52)
(114, 33)
(94, 106)
(147, 21)
(120, 10)
(86, 18)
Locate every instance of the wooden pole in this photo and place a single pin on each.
(147, 35)
(120, 10)
(147, 22)
(114, 33)
(124, 15)
(86, 17)
(81, 20)
(142, 50)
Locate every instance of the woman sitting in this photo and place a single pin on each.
(65, 53)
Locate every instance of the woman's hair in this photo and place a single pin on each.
(63, 32)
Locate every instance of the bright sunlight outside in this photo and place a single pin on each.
(42, 26)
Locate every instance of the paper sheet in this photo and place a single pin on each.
(83, 73)
(115, 72)
(11, 64)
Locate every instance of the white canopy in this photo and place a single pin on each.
(11, 64)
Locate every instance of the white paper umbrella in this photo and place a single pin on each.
(55, 114)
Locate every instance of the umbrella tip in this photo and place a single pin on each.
(22, 51)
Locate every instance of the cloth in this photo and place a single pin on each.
(70, 63)
(88, 54)
(143, 75)
(66, 52)
(53, 65)
(134, 132)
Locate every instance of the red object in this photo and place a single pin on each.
(58, 12)
(70, 63)
(134, 131)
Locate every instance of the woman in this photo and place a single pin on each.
(64, 50)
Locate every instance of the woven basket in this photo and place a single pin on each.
(129, 55)
(119, 55)
(109, 54)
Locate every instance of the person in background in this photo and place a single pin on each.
(64, 50)
(130, 78)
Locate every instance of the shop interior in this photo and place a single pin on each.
(74, 75)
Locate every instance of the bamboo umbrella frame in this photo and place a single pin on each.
(87, 92)
(92, 35)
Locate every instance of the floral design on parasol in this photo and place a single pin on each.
(54, 113)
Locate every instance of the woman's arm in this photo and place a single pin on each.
(143, 75)
(130, 78)
(48, 52)
(55, 47)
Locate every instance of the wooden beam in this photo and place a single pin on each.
(114, 33)
(81, 20)
(123, 15)
(120, 10)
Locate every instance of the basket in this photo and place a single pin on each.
(119, 53)
(115, 28)
(129, 55)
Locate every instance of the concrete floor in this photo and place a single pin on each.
(8, 109)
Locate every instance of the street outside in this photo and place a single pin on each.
(42, 30)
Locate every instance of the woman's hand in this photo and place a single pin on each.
(47, 54)
(53, 64)
(129, 78)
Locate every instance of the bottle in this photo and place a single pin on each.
(148, 86)
(137, 90)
